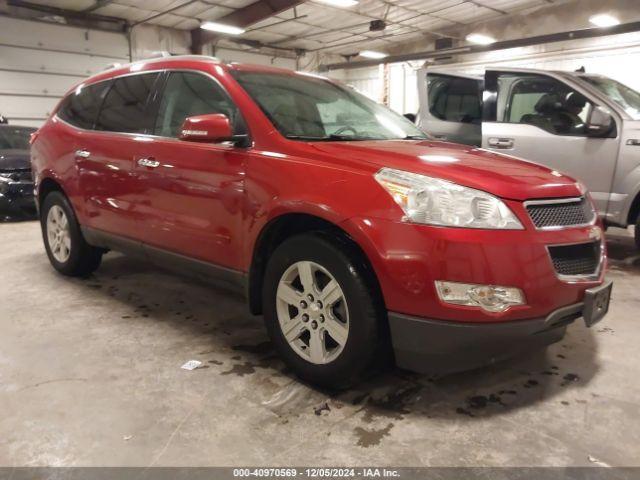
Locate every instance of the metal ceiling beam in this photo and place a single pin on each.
(466, 49)
(98, 4)
(34, 11)
(165, 12)
(243, 17)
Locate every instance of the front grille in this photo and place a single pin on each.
(560, 213)
(579, 259)
(22, 189)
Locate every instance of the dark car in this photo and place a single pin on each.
(16, 184)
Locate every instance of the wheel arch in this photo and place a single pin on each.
(287, 225)
(634, 210)
(46, 186)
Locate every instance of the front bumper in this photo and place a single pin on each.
(17, 198)
(408, 259)
(439, 347)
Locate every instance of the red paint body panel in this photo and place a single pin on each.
(212, 201)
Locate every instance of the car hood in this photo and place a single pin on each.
(498, 174)
(14, 160)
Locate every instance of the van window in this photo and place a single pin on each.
(187, 94)
(125, 108)
(80, 108)
(454, 99)
(544, 102)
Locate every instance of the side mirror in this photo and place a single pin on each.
(410, 116)
(600, 123)
(214, 127)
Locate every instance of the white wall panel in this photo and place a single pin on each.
(148, 40)
(19, 108)
(39, 62)
(43, 84)
(367, 81)
(255, 58)
(61, 37)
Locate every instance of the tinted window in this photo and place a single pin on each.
(187, 94)
(454, 99)
(15, 138)
(308, 108)
(544, 102)
(81, 107)
(125, 109)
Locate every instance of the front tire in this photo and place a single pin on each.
(321, 310)
(637, 233)
(68, 251)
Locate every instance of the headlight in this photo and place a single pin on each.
(488, 297)
(4, 182)
(437, 202)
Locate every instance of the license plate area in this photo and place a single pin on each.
(596, 303)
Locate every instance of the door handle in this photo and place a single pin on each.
(148, 162)
(503, 143)
(83, 154)
(634, 142)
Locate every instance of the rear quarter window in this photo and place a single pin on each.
(80, 108)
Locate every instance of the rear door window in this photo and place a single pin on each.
(81, 107)
(454, 99)
(126, 107)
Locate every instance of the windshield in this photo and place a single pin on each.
(624, 96)
(308, 108)
(15, 138)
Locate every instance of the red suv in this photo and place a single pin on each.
(349, 230)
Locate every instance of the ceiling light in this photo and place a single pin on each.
(222, 28)
(340, 3)
(603, 20)
(480, 39)
(372, 54)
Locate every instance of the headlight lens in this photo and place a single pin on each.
(488, 297)
(4, 183)
(437, 202)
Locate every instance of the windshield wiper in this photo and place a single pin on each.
(415, 137)
(330, 138)
(333, 136)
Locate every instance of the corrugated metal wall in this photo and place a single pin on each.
(39, 62)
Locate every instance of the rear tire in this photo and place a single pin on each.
(339, 339)
(68, 251)
(637, 233)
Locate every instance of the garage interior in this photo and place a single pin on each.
(90, 368)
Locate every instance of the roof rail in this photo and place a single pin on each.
(162, 57)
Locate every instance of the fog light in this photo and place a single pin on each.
(488, 297)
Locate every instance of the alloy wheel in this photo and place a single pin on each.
(58, 234)
(312, 312)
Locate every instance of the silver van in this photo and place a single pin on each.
(585, 125)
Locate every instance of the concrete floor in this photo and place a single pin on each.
(90, 375)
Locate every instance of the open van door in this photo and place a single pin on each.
(450, 106)
(546, 118)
